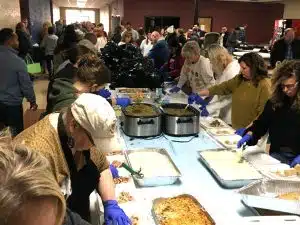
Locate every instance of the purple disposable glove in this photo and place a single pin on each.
(114, 171)
(113, 214)
(240, 131)
(197, 99)
(104, 93)
(124, 102)
(296, 161)
(204, 112)
(175, 89)
(245, 139)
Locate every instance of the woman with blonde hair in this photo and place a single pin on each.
(225, 68)
(29, 194)
(281, 116)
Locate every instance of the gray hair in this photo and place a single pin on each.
(191, 48)
(25, 175)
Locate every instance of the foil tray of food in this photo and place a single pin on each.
(132, 90)
(229, 141)
(267, 220)
(221, 131)
(162, 172)
(276, 195)
(180, 210)
(283, 172)
(136, 94)
(210, 122)
(228, 168)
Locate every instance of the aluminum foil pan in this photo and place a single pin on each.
(157, 180)
(232, 183)
(157, 217)
(262, 194)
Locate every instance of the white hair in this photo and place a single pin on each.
(191, 48)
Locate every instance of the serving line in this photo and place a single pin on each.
(223, 205)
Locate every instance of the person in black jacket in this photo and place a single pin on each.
(117, 35)
(281, 116)
(25, 45)
(286, 48)
(224, 37)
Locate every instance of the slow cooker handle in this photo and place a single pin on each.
(189, 120)
(144, 122)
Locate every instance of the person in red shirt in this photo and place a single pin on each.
(172, 68)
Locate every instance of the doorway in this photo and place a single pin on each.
(205, 24)
(157, 22)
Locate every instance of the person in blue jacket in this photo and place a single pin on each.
(160, 51)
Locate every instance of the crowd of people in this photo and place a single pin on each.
(68, 145)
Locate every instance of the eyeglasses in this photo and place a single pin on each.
(289, 86)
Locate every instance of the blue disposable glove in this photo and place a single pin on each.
(204, 112)
(192, 98)
(124, 102)
(240, 131)
(296, 161)
(244, 140)
(113, 214)
(175, 89)
(114, 171)
(104, 93)
(197, 99)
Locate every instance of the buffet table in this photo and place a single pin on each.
(223, 205)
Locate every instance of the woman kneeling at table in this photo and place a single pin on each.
(281, 116)
(250, 91)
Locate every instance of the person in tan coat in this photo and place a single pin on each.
(74, 142)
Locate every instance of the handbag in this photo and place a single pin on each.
(32, 67)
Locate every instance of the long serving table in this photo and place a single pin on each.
(266, 56)
(223, 205)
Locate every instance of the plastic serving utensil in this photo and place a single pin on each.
(187, 106)
(240, 153)
(133, 172)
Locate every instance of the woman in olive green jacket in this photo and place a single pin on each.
(250, 90)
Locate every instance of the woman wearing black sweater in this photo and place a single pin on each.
(281, 116)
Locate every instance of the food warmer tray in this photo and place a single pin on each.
(180, 125)
(156, 201)
(142, 126)
(230, 184)
(154, 181)
(262, 194)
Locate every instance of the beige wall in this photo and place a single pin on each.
(292, 9)
(105, 17)
(10, 13)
